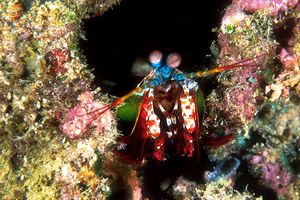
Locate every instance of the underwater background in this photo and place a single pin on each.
(60, 60)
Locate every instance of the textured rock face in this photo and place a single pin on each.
(250, 98)
(41, 76)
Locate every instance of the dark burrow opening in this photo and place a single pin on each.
(132, 30)
(135, 28)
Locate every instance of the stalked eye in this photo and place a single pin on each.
(174, 60)
(155, 58)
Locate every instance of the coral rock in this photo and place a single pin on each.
(274, 7)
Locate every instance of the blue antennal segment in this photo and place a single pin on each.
(155, 81)
(179, 77)
(165, 71)
(156, 65)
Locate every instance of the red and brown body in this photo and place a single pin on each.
(168, 119)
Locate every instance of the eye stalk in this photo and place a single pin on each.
(155, 58)
(174, 60)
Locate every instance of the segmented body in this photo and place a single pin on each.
(170, 114)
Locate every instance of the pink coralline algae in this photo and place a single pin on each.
(288, 60)
(234, 15)
(273, 6)
(288, 80)
(241, 99)
(240, 37)
(244, 96)
(85, 115)
(272, 173)
(290, 54)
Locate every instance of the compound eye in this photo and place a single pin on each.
(174, 60)
(155, 58)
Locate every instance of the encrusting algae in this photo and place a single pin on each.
(42, 73)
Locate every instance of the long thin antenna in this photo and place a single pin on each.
(243, 63)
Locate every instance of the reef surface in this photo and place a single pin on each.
(52, 145)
